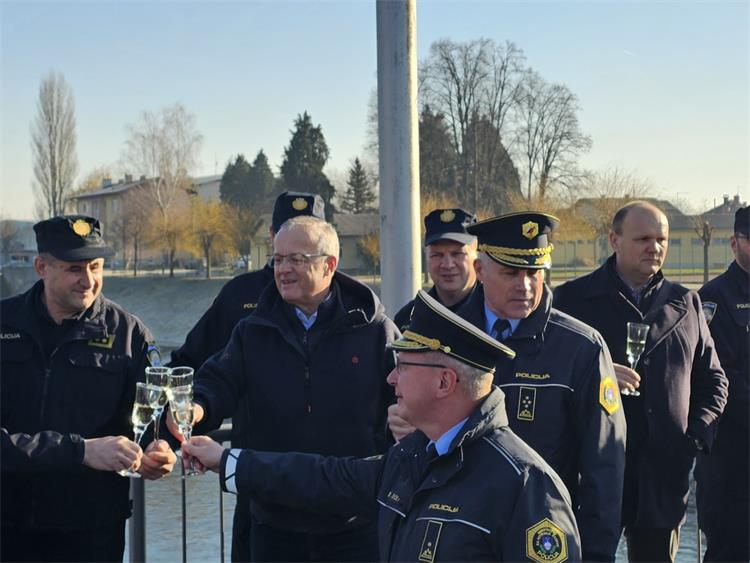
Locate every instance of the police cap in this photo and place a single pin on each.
(448, 224)
(434, 328)
(72, 238)
(518, 240)
(292, 204)
(741, 220)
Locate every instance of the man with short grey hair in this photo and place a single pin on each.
(308, 370)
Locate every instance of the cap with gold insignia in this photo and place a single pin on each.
(72, 238)
(434, 328)
(518, 240)
(292, 204)
(742, 221)
(448, 224)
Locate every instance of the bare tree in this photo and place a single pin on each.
(607, 191)
(704, 231)
(548, 135)
(164, 147)
(454, 75)
(53, 145)
(131, 227)
(243, 226)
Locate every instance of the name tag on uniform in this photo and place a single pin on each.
(103, 342)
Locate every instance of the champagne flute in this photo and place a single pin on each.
(146, 399)
(159, 377)
(181, 409)
(636, 343)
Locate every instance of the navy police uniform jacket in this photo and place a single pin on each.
(683, 388)
(403, 316)
(52, 402)
(236, 300)
(489, 498)
(322, 390)
(562, 400)
(723, 475)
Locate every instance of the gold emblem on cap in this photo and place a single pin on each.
(530, 229)
(299, 204)
(447, 216)
(81, 228)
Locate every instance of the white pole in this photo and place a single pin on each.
(398, 139)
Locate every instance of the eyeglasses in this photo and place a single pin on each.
(295, 259)
(400, 363)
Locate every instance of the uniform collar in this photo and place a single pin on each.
(740, 277)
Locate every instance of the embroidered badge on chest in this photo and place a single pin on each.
(546, 543)
(526, 403)
(430, 542)
(103, 342)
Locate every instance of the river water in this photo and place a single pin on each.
(164, 527)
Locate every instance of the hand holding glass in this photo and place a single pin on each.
(635, 345)
(146, 399)
(181, 409)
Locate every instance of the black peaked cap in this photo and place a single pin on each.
(518, 240)
(741, 219)
(448, 224)
(72, 238)
(292, 204)
(434, 328)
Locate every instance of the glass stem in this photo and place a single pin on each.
(157, 423)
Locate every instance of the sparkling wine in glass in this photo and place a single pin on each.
(636, 343)
(181, 409)
(146, 399)
(159, 377)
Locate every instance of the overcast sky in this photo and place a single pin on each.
(663, 86)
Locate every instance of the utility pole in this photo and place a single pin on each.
(398, 139)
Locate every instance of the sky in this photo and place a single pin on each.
(663, 86)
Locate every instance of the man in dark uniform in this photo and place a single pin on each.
(683, 388)
(308, 367)
(236, 300)
(450, 253)
(463, 487)
(70, 362)
(723, 475)
(561, 393)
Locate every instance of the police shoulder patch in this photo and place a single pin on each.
(546, 542)
(609, 396)
(709, 310)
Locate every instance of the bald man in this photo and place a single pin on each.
(682, 387)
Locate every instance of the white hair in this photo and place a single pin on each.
(321, 233)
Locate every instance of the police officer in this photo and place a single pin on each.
(722, 475)
(236, 300)
(450, 253)
(308, 366)
(463, 487)
(682, 386)
(561, 392)
(70, 361)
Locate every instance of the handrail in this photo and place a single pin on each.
(137, 523)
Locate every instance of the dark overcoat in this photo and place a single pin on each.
(683, 388)
(322, 390)
(723, 475)
(50, 404)
(489, 498)
(562, 400)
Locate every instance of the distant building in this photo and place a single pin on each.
(207, 187)
(352, 229)
(580, 247)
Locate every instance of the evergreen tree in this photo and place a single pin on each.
(304, 159)
(234, 188)
(262, 183)
(359, 196)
